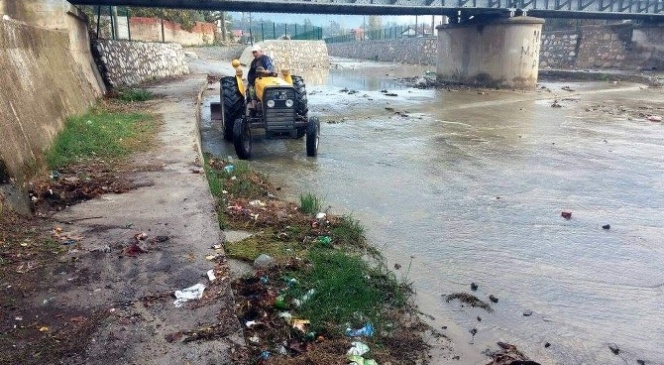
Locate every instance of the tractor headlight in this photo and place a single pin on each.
(289, 103)
(270, 103)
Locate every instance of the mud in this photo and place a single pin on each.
(469, 185)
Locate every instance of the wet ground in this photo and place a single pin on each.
(461, 186)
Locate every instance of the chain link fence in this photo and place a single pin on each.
(397, 32)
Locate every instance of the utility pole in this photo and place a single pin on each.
(222, 18)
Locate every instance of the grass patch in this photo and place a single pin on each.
(100, 134)
(310, 204)
(133, 95)
(349, 231)
(348, 290)
(469, 299)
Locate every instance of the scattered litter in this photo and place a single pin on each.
(229, 168)
(321, 215)
(257, 203)
(43, 329)
(280, 302)
(493, 299)
(264, 280)
(567, 88)
(367, 330)
(19, 318)
(67, 242)
(358, 348)
(264, 355)
(397, 266)
(291, 282)
(305, 298)
(287, 316)
(250, 324)
(263, 262)
(324, 240)
(527, 313)
(606, 226)
(556, 104)
(566, 215)
(187, 294)
(359, 360)
(300, 324)
(210, 257)
(172, 337)
(655, 118)
(473, 286)
(254, 339)
(210, 275)
(216, 247)
(141, 236)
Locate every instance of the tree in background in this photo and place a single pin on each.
(334, 29)
(374, 23)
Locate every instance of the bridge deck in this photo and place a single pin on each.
(597, 9)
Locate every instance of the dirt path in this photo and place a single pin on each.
(174, 219)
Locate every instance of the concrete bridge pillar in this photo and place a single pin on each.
(494, 53)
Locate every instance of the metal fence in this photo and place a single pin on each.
(404, 31)
(270, 30)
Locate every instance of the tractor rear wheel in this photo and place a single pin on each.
(313, 135)
(242, 139)
(232, 105)
(301, 102)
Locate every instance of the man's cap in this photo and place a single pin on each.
(255, 48)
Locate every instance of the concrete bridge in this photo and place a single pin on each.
(597, 9)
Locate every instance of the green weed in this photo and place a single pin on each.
(133, 95)
(100, 134)
(349, 231)
(310, 203)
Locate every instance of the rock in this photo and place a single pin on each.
(614, 349)
(527, 313)
(473, 286)
(263, 262)
(547, 345)
(493, 299)
(566, 215)
(606, 226)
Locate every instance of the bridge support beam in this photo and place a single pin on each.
(493, 53)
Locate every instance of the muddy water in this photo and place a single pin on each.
(469, 187)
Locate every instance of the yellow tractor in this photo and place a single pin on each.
(279, 107)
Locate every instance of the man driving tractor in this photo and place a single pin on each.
(260, 66)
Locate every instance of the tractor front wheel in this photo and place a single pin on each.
(232, 105)
(313, 135)
(242, 139)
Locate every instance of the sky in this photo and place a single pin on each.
(346, 21)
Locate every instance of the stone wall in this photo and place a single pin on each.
(218, 53)
(620, 46)
(131, 63)
(419, 51)
(298, 56)
(42, 84)
(559, 50)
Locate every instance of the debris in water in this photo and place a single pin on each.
(655, 118)
(606, 226)
(566, 215)
(528, 313)
(473, 286)
(469, 299)
(556, 104)
(614, 349)
(493, 299)
(547, 345)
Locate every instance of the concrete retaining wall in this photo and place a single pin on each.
(298, 56)
(131, 63)
(42, 83)
(419, 51)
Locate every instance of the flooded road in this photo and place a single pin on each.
(468, 186)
